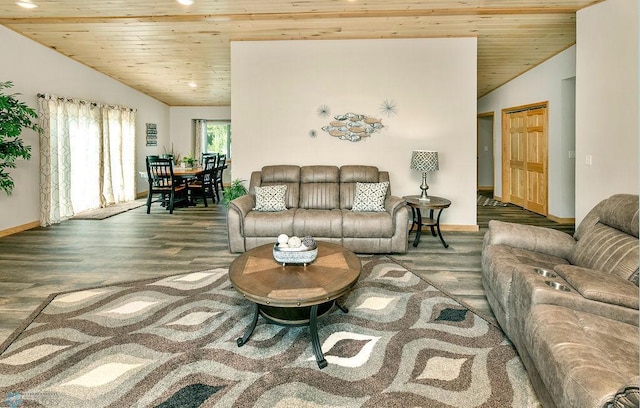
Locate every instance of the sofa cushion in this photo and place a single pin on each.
(584, 360)
(608, 250)
(270, 198)
(319, 188)
(269, 224)
(370, 196)
(288, 175)
(318, 223)
(367, 224)
(499, 264)
(349, 176)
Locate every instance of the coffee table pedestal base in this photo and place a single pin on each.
(294, 317)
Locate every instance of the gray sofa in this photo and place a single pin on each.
(319, 200)
(575, 329)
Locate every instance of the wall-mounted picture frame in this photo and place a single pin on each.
(152, 134)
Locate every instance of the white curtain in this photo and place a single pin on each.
(201, 133)
(87, 156)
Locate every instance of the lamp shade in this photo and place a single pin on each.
(424, 160)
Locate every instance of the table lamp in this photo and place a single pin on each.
(424, 161)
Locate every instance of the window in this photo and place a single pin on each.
(88, 156)
(218, 137)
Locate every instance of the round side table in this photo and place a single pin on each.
(433, 204)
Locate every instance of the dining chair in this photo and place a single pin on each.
(162, 182)
(205, 156)
(217, 182)
(203, 184)
(216, 157)
(208, 155)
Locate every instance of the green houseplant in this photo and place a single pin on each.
(14, 117)
(235, 190)
(189, 161)
(170, 154)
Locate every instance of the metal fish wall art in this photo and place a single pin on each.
(353, 126)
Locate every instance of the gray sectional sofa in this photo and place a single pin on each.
(569, 304)
(319, 201)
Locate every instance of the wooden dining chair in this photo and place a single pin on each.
(162, 182)
(212, 156)
(217, 182)
(203, 184)
(205, 156)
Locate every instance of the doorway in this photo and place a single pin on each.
(525, 157)
(484, 156)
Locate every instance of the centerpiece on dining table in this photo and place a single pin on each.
(295, 250)
(188, 162)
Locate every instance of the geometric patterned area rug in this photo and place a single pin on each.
(171, 342)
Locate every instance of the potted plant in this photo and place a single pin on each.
(236, 189)
(189, 161)
(169, 154)
(14, 117)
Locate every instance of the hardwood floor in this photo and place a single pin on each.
(513, 213)
(85, 253)
(79, 254)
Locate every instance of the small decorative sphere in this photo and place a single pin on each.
(294, 242)
(308, 241)
(283, 245)
(283, 239)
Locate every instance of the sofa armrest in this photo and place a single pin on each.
(392, 204)
(530, 237)
(243, 204)
(600, 286)
(238, 210)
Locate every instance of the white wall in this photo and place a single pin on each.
(278, 87)
(541, 84)
(35, 69)
(568, 127)
(606, 102)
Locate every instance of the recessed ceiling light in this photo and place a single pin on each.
(185, 2)
(26, 4)
(193, 84)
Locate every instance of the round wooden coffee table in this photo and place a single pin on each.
(295, 294)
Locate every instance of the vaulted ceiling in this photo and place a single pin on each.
(180, 54)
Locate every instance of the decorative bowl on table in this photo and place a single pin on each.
(293, 250)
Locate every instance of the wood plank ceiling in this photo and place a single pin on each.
(160, 47)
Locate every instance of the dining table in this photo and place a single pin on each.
(187, 172)
(185, 175)
(182, 175)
